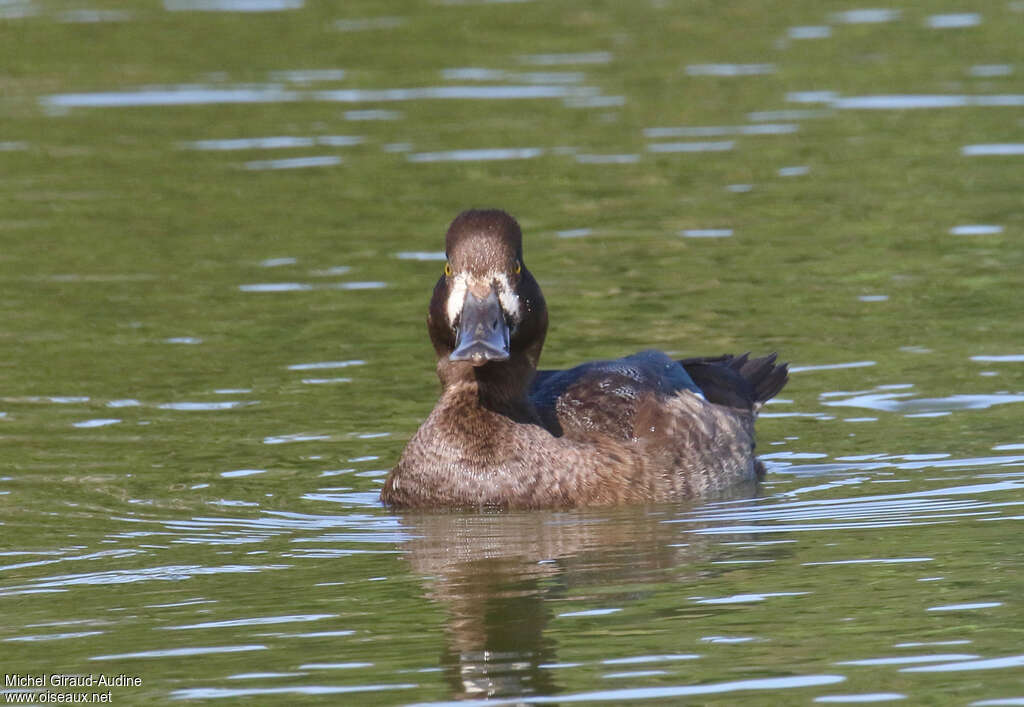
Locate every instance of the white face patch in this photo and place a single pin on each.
(457, 297)
(506, 295)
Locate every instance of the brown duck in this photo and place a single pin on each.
(640, 429)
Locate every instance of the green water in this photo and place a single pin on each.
(211, 356)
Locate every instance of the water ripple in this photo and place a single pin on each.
(924, 507)
(479, 155)
(730, 69)
(232, 5)
(259, 621)
(209, 693)
(180, 652)
(910, 659)
(167, 573)
(899, 402)
(628, 695)
(746, 598)
(861, 698)
(186, 94)
(1010, 661)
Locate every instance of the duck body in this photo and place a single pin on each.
(640, 429)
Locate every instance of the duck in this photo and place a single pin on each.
(642, 429)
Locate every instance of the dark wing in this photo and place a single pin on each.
(602, 396)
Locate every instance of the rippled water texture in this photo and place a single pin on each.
(221, 222)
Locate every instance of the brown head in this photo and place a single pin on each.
(487, 312)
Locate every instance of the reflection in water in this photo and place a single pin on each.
(955, 19)
(92, 16)
(1010, 661)
(866, 16)
(910, 659)
(201, 406)
(372, 115)
(861, 698)
(321, 365)
(904, 402)
(501, 92)
(294, 162)
(295, 437)
(278, 262)
(501, 576)
(716, 130)
(421, 255)
(713, 146)
(307, 75)
(259, 621)
(831, 366)
(810, 32)
(166, 573)
(1003, 358)
(991, 70)
(575, 233)
(560, 59)
(366, 23)
(173, 96)
(274, 142)
(479, 155)
(180, 652)
(966, 607)
(729, 69)
(206, 95)
(471, 73)
(977, 229)
(1006, 148)
(857, 512)
(209, 693)
(593, 101)
(97, 422)
(630, 695)
(811, 96)
(276, 287)
(608, 159)
(307, 287)
(746, 598)
(706, 232)
(233, 5)
(919, 101)
(776, 115)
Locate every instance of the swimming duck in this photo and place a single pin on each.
(641, 429)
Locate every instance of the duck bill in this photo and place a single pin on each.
(483, 334)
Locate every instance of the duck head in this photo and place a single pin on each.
(487, 311)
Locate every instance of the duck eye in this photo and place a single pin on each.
(518, 267)
(448, 269)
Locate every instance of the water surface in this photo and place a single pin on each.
(217, 259)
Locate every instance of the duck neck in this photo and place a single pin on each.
(500, 387)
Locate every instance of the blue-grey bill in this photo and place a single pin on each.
(483, 334)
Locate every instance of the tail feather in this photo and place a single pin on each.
(767, 377)
(738, 381)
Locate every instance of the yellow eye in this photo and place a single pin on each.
(519, 267)
(448, 269)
